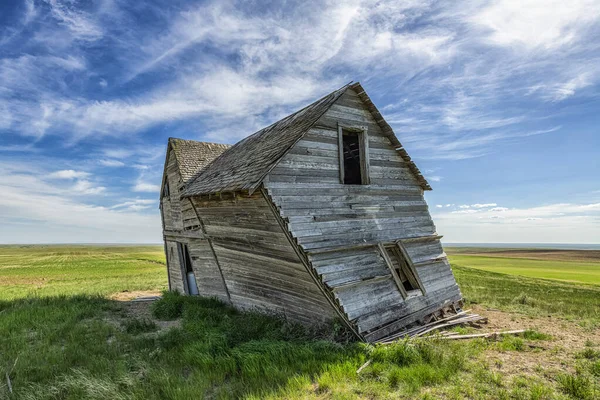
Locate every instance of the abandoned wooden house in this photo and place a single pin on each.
(320, 215)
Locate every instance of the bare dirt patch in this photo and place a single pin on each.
(136, 294)
(538, 356)
(142, 310)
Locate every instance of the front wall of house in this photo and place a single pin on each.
(323, 214)
(260, 267)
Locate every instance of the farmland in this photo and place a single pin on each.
(577, 266)
(64, 335)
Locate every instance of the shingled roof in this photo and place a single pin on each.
(244, 165)
(192, 156)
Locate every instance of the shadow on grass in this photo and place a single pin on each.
(85, 347)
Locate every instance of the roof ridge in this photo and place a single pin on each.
(171, 139)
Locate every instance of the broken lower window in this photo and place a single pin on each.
(402, 272)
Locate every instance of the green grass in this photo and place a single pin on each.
(569, 271)
(536, 297)
(84, 347)
(61, 339)
(64, 270)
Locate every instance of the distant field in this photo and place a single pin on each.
(577, 266)
(42, 270)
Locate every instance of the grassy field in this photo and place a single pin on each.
(64, 270)
(82, 346)
(565, 265)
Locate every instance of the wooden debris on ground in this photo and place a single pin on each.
(450, 336)
(365, 365)
(462, 317)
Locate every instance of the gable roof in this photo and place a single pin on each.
(193, 156)
(244, 165)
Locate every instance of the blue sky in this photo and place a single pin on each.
(497, 102)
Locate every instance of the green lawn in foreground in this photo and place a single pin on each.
(48, 270)
(86, 347)
(570, 271)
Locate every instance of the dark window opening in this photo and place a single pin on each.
(403, 270)
(188, 259)
(352, 162)
(166, 191)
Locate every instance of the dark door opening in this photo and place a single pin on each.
(189, 277)
(352, 162)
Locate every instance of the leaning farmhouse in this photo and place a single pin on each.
(320, 215)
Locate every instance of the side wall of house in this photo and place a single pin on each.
(180, 224)
(260, 267)
(339, 226)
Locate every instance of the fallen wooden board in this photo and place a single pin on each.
(483, 335)
(365, 365)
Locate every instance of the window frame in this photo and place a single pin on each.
(364, 151)
(405, 262)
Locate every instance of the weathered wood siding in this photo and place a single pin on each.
(171, 205)
(180, 224)
(323, 215)
(174, 266)
(260, 268)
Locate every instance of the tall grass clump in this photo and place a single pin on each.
(411, 365)
(577, 386)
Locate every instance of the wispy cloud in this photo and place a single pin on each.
(69, 174)
(146, 187)
(134, 205)
(559, 223)
(88, 188)
(60, 214)
(80, 24)
(111, 163)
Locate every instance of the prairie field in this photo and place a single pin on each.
(577, 266)
(66, 333)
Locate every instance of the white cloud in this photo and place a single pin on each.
(465, 212)
(464, 206)
(68, 174)
(59, 215)
(134, 205)
(439, 206)
(558, 223)
(86, 187)
(536, 23)
(111, 163)
(487, 205)
(145, 187)
(79, 23)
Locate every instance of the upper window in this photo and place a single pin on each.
(402, 270)
(166, 192)
(354, 156)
